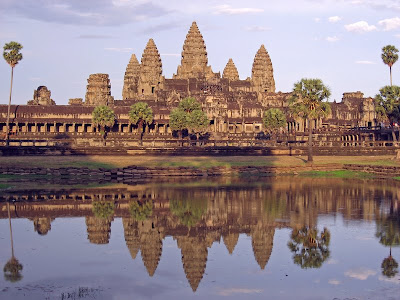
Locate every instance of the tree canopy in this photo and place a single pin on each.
(307, 102)
(12, 270)
(189, 211)
(389, 57)
(141, 113)
(11, 53)
(274, 119)
(188, 115)
(308, 99)
(387, 105)
(103, 116)
(103, 209)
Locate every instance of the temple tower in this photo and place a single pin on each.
(150, 77)
(131, 79)
(262, 74)
(194, 258)
(98, 91)
(131, 235)
(98, 229)
(151, 249)
(230, 71)
(230, 241)
(262, 240)
(194, 57)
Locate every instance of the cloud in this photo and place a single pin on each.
(232, 291)
(334, 19)
(334, 282)
(365, 62)
(377, 4)
(88, 12)
(228, 10)
(390, 24)
(360, 27)
(159, 27)
(360, 273)
(95, 36)
(395, 279)
(257, 28)
(332, 39)
(119, 49)
(317, 20)
(332, 261)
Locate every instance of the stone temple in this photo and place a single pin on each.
(234, 106)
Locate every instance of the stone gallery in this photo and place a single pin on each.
(234, 107)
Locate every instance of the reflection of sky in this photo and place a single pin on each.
(64, 260)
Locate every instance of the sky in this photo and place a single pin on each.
(338, 41)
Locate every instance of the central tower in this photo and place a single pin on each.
(194, 57)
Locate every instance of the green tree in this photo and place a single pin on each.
(12, 56)
(103, 117)
(140, 211)
(141, 114)
(188, 115)
(307, 102)
(310, 249)
(387, 105)
(273, 120)
(197, 122)
(178, 120)
(389, 57)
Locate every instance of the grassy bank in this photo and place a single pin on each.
(109, 162)
(338, 174)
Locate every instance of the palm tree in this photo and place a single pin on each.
(104, 117)
(310, 249)
(12, 268)
(141, 114)
(389, 266)
(12, 57)
(389, 57)
(387, 106)
(307, 102)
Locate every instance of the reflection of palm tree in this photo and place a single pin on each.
(310, 249)
(388, 232)
(12, 268)
(389, 266)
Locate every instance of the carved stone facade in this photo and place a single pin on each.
(41, 96)
(98, 91)
(234, 107)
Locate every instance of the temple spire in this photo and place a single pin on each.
(262, 74)
(131, 78)
(194, 56)
(230, 71)
(150, 76)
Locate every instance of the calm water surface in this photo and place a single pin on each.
(282, 238)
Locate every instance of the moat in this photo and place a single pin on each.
(278, 238)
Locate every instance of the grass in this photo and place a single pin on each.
(338, 174)
(397, 178)
(4, 186)
(109, 162)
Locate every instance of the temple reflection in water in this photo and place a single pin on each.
(196, 216)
